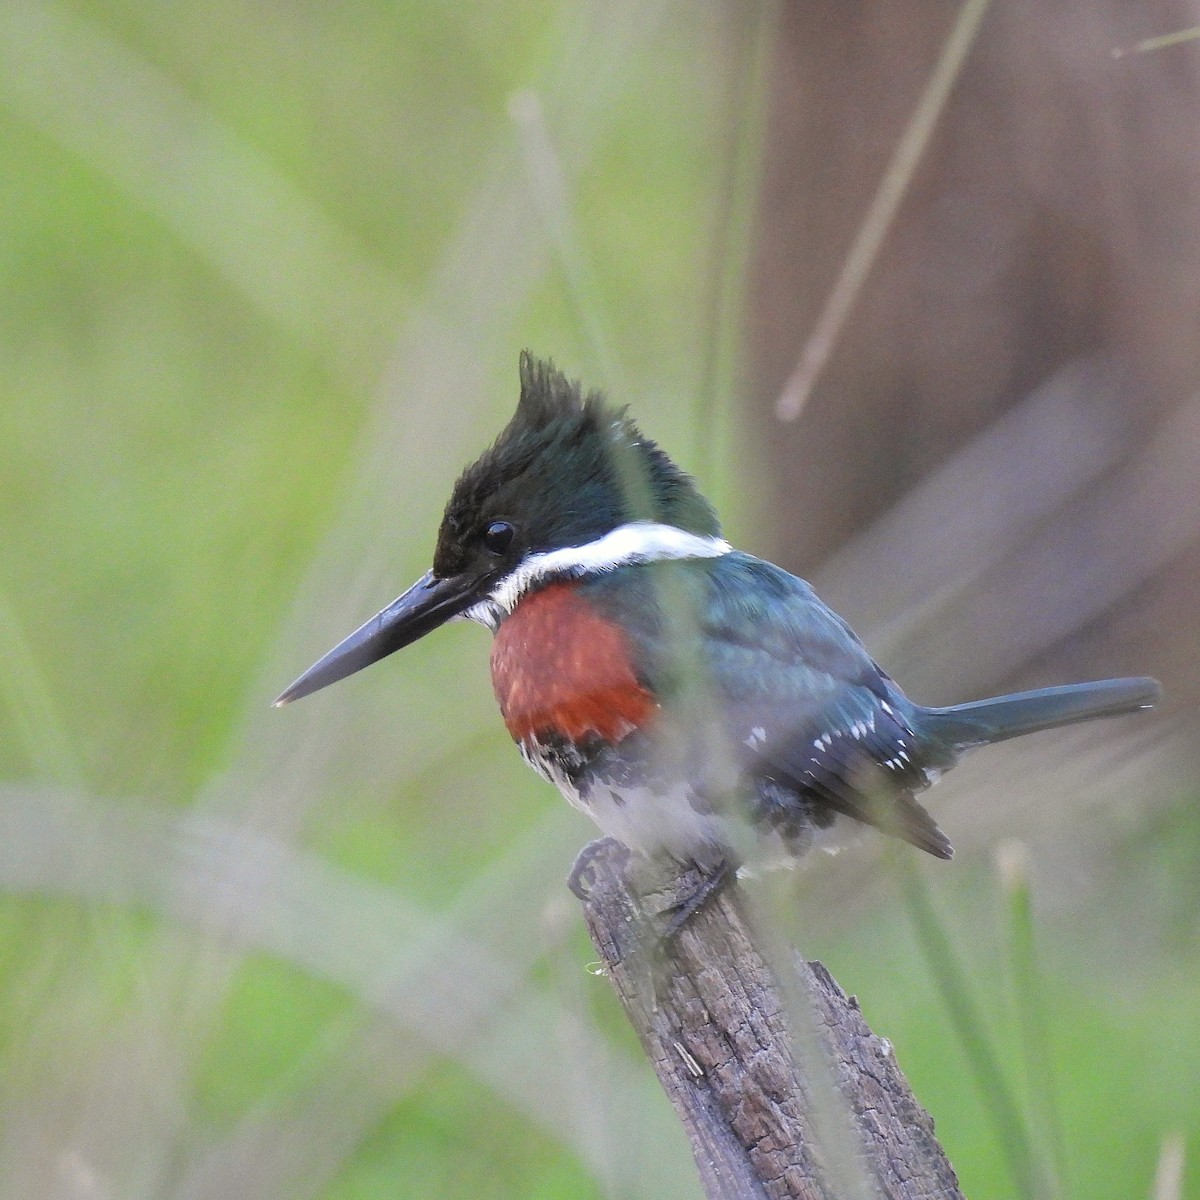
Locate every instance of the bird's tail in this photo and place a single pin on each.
(985, 721)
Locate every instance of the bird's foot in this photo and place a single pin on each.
(658, 905)
(581, 880)
(695, 888)
(664, 910)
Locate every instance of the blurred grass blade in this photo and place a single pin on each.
(833, 1127)
(1013, 862)
(883, 209)
(752, 41)
(135, 125)
(551, 194)
(1168, 1176)
(1146, 45)
(31, 706)
(950, 978)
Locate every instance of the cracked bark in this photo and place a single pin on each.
(782, 1092)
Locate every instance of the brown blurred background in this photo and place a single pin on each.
(1042, 282)
(995, 475)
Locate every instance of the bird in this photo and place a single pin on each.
(700, 704)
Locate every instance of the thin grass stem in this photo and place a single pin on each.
(1028, 993)
(950, 979)
(884, 206)
(548, 184)
(736, 204)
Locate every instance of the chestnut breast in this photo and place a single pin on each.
(558, 667)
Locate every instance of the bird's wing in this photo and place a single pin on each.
(790, 688)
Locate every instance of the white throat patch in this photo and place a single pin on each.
(637, 542)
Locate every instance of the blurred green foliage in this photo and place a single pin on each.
(216, 222)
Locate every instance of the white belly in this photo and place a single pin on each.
(651, 820)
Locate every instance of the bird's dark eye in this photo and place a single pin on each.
(498, 537)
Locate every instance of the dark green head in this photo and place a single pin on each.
(567, 469)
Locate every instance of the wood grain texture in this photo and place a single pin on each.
(782, 1092)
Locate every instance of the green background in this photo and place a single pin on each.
(265, 272)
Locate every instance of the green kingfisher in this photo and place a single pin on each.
(698, 703)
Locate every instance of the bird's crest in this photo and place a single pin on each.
(568, 468)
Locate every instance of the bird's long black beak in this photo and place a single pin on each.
(430, 602)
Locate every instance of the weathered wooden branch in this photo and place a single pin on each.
(783, 1092)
